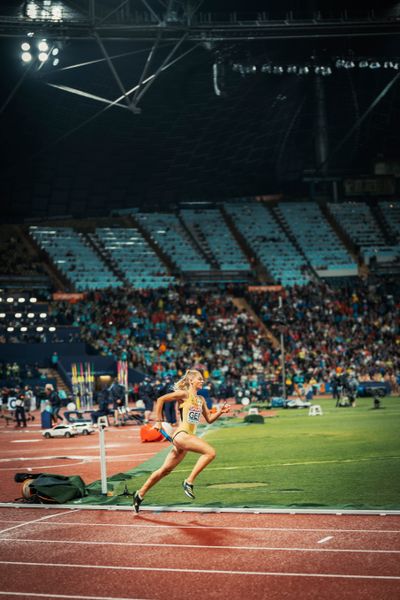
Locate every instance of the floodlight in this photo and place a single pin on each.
(10, 300)
(30, 315)
(375, 65)
(52, 328)
(18, 315)
(39, 328)
(43, 56)
(26, 57)
(2, 315)
(32, 299)
(25, 46)
(10, 328)
(56, 62)
(43, 46)
(21, 299)
(24, 329)
(55, 51)
(42, 315)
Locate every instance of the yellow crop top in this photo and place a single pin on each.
(190, 411)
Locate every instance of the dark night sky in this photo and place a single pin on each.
(187, 143)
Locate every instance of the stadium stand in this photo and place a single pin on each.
(212, 234)
(319, 242)
(168, 233)
(391, 214)
(132, 255)
(269, 242)
(357, 220)
(77, 260)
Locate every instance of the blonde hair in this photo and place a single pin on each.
(184, 382)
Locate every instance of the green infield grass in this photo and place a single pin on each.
(349, 458)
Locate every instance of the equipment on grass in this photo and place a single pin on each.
(315, 410)
(254, 419)
(45, 488)
(277, 402)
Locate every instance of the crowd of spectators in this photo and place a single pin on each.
(326, 331)
(164, 332)
(13, 373)
(44, 337)
(329, 331)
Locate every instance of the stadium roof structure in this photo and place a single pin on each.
(161, 100)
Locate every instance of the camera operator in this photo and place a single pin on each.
(352, 388)
(55, 402)
(104, 410)
(117, 397)
(20, 415)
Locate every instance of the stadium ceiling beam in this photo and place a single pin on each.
(199, 29)
(113, 70)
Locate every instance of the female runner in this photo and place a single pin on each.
(191, 407)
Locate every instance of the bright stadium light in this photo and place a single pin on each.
(52, 328)
(32, 10)
(26, 57)
(21, 300)
(32, 299)
(30, 315)
(55, 51)
(10, 328)
(43, 46)
(24, 329)
(25, 46)
(42, 315)
(43, 57)
(2, 315)
(10, 300)
(56, 62)
(39, 328)
(56, 13)
(18, 315)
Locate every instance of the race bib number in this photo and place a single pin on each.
(194, 415)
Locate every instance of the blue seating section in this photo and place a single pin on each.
(268, 242)
(391, 212)
(140, 265)
(74, 258)
(168, 233)
(213, 235)
(315, 236)
(360, 225)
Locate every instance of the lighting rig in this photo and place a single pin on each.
(23, 315)
(272, 68)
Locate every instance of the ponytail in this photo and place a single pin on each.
(184, 382)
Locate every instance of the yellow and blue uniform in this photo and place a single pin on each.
(190, 411)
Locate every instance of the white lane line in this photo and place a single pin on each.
(32, 595)
(72, 457)
(36, 520)
(24, 441)
(200, 571)
(41, 467)
(195, 546)
(212, 527)
(325, 539)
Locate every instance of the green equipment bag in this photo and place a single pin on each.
(48, 488)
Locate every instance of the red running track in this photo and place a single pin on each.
(80, 554)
